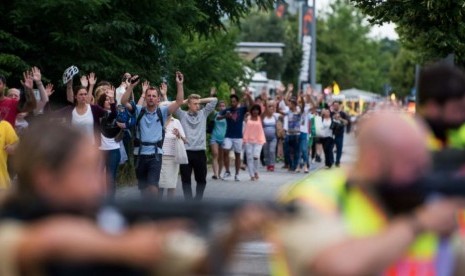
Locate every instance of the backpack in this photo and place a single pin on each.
(137, 140)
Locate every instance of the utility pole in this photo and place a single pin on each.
(313, 55)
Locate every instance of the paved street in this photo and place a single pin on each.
(251, 257)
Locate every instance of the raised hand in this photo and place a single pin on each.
(92, 79)
(309, 90)
(84, 81)
(290, 87)
(134, 81)
(36, 74)
(212, 91)
(179, 77)
(163, 88)
(28, 81)
(111, 92)
(49, 89)
(145, 86)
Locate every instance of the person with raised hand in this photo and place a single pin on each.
(111, 134)
(233, 139)
(150, 132)
(84, 116)
(42, 98)
(11, 107)
(194, 123)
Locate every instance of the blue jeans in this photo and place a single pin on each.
(112, 159)
(292, 142)
(338, 141)
(270, 150)
(303, 149)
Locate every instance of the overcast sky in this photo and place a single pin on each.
(387, 30)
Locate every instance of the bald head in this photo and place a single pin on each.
(392, 145)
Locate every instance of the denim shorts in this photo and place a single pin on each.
(217, 142)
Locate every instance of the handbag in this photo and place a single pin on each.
(318, 123)
(180, 154)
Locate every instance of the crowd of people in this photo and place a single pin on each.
(295, 127)
(371, 217)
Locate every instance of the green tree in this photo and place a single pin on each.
(402, 72)
(433, 29)
(267, 27)
(207, 62)
(345, 52)
(109, 36)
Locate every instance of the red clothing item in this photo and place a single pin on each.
(9, 110)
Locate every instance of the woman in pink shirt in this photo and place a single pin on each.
(253, 139)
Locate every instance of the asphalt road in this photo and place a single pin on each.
(251, 258)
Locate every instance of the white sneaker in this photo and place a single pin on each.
(226, 175)
(236, 178)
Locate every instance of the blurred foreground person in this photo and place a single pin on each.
(48, 225)
(369, 219)
(441, 98)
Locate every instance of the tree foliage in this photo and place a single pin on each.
(267, 27)
(347, 55)
(433, 29)
(402, 72)
(110, 37)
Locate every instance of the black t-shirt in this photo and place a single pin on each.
(339, 128)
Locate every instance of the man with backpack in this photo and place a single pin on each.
(150, 133)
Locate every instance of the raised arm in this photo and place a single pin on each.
(248, 98)
(288, 95)
(163, 92)
(145, 86)
(309, 98)
(127, 94)
(92, 81)
(28, 83)
(43, 94)
(179, 95)
(69, 91)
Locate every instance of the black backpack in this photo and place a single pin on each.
(137, 141)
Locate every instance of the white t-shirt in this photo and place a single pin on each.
(170, 138)
(84, 122)
(108, 143)
(326, 130)
(304, 119)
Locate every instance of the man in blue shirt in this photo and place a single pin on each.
(150, 133)
(233, 139)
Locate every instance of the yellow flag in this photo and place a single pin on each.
(336, 89)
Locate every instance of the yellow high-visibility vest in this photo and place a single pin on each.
(327, 192)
